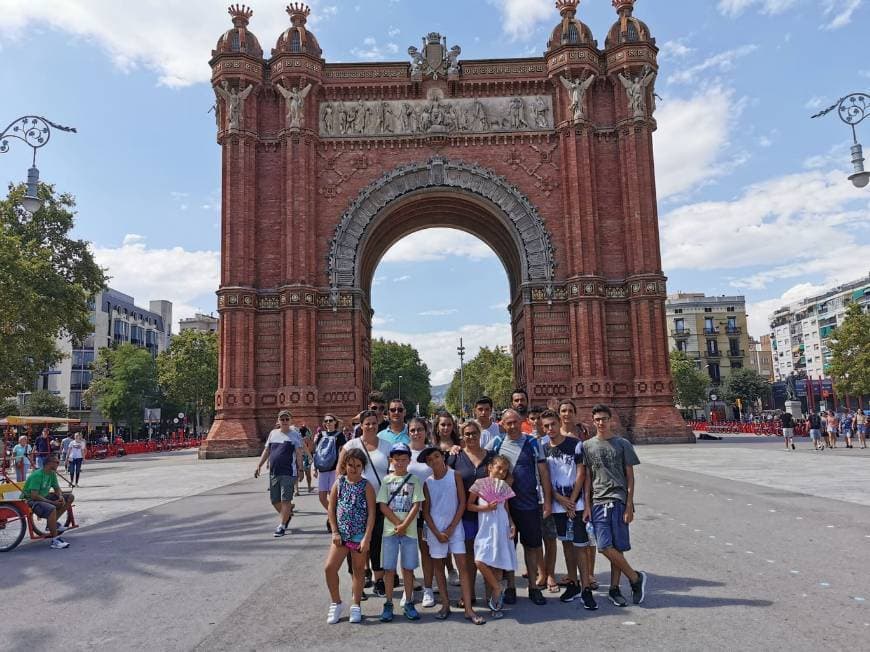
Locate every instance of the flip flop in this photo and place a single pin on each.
(475, 619)
(443, 615)
(553, 588)
(593, 585)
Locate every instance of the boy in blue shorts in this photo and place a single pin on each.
(400, 498)
(610, 462)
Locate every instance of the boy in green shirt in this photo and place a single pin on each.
(400, 497)
(43, 495)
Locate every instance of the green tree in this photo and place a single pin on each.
(187, 372)
(124, 384)
(9, 407)
(44, 404)
(690, 383)
(46, 280)
(489, 373)
(391, 360)
(850, 353)
(745, 384)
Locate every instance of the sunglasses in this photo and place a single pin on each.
(284, 419)
(470, 434)
(397, 410)
(329, 421)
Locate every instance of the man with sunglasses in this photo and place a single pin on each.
(284, 452)
(377, 405)
(396, 432)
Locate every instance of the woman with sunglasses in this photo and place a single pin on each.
(471, 465)
(377, 452)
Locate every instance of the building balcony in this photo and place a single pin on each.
(712, 354)
(736, 353)
(681, 333)
(711, 331)
(733, 330)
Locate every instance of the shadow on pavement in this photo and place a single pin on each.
(665, 592)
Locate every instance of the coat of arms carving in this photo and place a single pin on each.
(434, 60)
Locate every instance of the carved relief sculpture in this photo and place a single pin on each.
(577, 92)
(635, 88)
(235, 102)
(295, 104)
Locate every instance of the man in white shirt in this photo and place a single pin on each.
(284, 451)
(483, 414)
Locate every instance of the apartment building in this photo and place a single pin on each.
(760, 356)
(199, 322)
(710, 330)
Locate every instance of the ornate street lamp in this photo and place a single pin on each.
(853, 109)
(34, 131)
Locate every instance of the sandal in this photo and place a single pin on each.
(475, 619)
(565, 581)
(553, 588)
(593, 584)
(443, 614)
(460, 604)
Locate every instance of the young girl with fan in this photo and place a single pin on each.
(352, 511)
(494, 551)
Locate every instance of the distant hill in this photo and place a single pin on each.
(439, 393)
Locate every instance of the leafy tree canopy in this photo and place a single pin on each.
(489, 373)
(745, 384)
(187, 371)
(850, 353)
(44, 404)
(391, 360)
(124, 384)
(690, 383)
(46, 279)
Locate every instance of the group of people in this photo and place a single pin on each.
(455, 499)
(826, 428)
(26, 456)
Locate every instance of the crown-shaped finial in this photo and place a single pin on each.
(567, 8)
(624, 6)
(241, 14)
(298, 12)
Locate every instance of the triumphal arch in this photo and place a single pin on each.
(547, 159)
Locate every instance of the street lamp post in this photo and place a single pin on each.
(35, 132)
(461, 351)
(400, 387)
(853, 109)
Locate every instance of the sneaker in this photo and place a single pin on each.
(355, 614)
(572, 591)
(588, 599)
(402, 601)
(792, 447)
(411, 612)
(616, 598)
(537, 597)
(509, 595)
(638, 589)
(334, 615)
(452, 579)
(428, 598)
(380, 589)
(279, 531)
(58, 544)
(61, 528)
(387, 613)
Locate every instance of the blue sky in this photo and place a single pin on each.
(753, 197)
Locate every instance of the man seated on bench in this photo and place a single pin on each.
(46, 500)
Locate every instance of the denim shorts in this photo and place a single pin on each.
(611, 530)
(390, 553)
(579, 537)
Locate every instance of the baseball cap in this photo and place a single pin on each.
(400, 449)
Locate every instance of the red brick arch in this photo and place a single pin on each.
(316, 189)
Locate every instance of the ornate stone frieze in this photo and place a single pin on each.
(436, 115)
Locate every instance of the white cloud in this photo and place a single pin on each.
(135, 34)
(789, 223)
(382, 320)
(402, 278)
(674, 49)
(443, 312)
(372, 51)
(816, 102)
(758, 312)
(437, 244)
(721, 62)
(180, 276)
(840, 12)
(684, 164)
(520, 18)
(736, 7)
(438, 348)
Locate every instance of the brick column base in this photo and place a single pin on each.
(660, 425)
(231, 438)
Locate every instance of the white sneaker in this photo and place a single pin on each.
(453, 578)
(58, 544)
(335, 612)
(355, 614)
(428, 598)
(403, 601)
(279, 531)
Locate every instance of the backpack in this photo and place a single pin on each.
(326, 453)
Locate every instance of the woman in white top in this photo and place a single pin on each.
(75, 455)
(418, 433)
(377, 452)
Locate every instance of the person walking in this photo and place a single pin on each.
(787, 421)
(76, 457)
(325, 452)
(21, 455)
(43, 447)
(846, 426)
(284, 451)
(352, 507)
(833, 429)
(861, 428)
(814, 422)
(610, 461)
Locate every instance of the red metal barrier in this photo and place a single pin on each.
(763, 428)
(102, 451)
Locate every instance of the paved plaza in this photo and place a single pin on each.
(746, 545)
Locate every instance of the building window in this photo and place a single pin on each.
(712, 347)
(708, 310)
(681, 345)
(713, 370)
(680, 324)
(678, 311)
(736, 365)
(734, 346)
